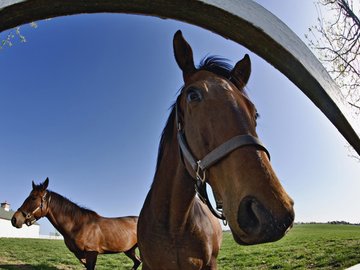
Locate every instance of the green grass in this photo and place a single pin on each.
(46, 254)
(307, 246)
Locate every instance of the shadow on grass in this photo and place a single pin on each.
(26, 267)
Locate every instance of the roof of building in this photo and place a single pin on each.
(6, 214)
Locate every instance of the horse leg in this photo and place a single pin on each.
(212, 265)
(145, 267)
(81, 257)
(132, 255)
(90, 257)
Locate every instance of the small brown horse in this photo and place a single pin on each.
(86, 234)
(210, 138)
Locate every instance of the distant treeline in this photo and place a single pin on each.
(330, 222)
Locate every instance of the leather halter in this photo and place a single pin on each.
(29, 217)
(200, 166)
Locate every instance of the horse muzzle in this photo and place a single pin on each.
(17, 221)
(260, 225)
(20, 217)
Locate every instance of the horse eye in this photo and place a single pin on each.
(193, 94)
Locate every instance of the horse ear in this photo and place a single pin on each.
(46, 183)
(183, 55)
(33, 184)
(241, 72)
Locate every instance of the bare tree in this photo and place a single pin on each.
(336, 41)
(8, 37)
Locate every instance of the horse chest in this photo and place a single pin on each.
(182, 251)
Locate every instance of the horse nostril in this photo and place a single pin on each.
(259, 223)
(248, 215)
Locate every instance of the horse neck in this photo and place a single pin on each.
(59, 215)
(173, 190)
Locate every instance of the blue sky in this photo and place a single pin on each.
(85, 99)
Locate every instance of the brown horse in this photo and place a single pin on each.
(210, 138)
(86, 234)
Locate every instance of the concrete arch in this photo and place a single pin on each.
(259, 30)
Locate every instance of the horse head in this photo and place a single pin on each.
(219, 145)
(34, 207)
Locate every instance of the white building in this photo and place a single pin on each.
(7, 230)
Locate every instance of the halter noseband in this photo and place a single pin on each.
(200, 166)
(29, 217)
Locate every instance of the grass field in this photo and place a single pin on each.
(307, 246)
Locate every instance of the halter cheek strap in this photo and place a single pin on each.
(200, 166)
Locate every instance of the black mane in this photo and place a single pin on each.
(217, 65)
(61, 204)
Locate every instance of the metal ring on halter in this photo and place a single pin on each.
(198, 169)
